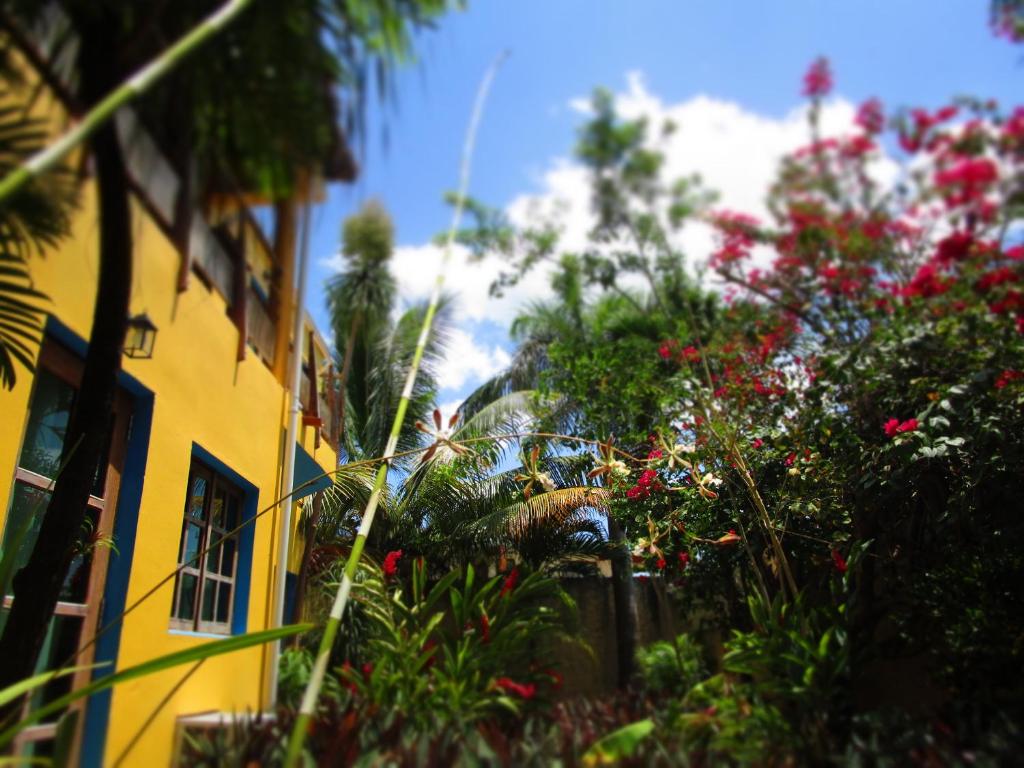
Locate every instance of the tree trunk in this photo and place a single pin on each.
(346, 367)
(38, 585)
(624, 597)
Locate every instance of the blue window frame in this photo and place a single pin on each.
(211, 592)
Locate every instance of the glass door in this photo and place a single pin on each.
(75, 619)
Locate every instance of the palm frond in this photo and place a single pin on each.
(35, 219)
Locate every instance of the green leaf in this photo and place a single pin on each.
(198, 653)
(618, 744)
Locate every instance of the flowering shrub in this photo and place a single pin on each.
(848, 414)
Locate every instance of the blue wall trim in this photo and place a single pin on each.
(243, 571)
(97, 714)
(307, 470)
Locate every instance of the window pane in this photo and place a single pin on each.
(187, 586)
(209, 593)
(224, 602)
(232, 520)
(195, 504)
(213, 556)
(26, 515)
(227, 564)
(47, 424)
(24, 519)
(217, 508)
(193, 536)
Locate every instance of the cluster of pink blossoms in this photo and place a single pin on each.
(647, 482)
(895, 427)
(818, 80)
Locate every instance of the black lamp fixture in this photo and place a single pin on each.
(141, 336)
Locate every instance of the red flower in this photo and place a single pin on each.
(790, 459)
(485, 628)
(367, 670)
(1007, 376)
(660, 565)
(509, 685)
(870, 116)
(691, 353)
(894, 427)
(655, 454)
(346, 667)
(684, 560)
(665, 351)
(839, 561)
(647, 477)
(510, 582)
(818, 80)
(758, 442)
(926, 283)
(955, 247)
(391, 562)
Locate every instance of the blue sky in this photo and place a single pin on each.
(730, 70)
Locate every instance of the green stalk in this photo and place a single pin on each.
(136, 85)
(316, 678)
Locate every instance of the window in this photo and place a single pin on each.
(204, 590)
(76, 615)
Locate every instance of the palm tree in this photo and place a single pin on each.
(256, 114)
(361, 296)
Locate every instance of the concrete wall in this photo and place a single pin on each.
(597, 673)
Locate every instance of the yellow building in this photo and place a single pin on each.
(197, 447)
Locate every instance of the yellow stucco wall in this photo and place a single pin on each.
(235, 410)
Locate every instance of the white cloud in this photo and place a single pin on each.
(467, 362)
(735, 150)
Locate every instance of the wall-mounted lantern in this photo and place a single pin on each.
(141, 337)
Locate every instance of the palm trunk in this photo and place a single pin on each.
(624, 598)
(346, 367)
(38, 585)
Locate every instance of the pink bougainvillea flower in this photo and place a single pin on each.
(818, 79)
(870, 116)
(391, 562)
(510, 582)
(954, 247)
(728, 539)
(524, 691)
(839, 561)
(647, 477)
